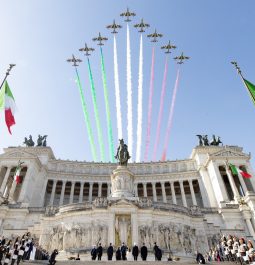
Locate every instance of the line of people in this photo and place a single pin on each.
(20, 249)
(232, 248)
(121, 252)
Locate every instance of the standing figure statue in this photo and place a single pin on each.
(41, 141)
(122, 153)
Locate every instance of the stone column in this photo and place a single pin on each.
(62, 195)
(203, 193)
(184, 202)
(99, 190)
(72, 192)
(53, 192)
(134, 227)
(232, 184)
(163, 192)
(81, 192)
(194, 201)
(173, 193)
(247, 217)
(111, 231)
(13, 188)
(145, 190)
(5, 180)
(90, 191)
(250, 228)
(108, 189)
(154, 192)
(135, 189)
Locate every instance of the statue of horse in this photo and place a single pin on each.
(122, 153)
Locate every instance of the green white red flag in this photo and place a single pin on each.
(7, 103)
(17, 174)
(235, 171)
(251, 89)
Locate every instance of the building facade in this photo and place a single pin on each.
(183, 205)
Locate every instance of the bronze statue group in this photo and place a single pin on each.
(121, 252)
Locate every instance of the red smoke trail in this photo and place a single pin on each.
(148, 133)
(170, 118)
(163, 92)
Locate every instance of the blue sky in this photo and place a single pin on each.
(40, 35)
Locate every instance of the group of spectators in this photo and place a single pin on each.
(20, 249)
(231, 248)
(121, 252)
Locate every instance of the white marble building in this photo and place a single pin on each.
(182, 205)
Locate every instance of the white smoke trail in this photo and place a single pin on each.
(117, 89)
(129, 97)
(140, 104)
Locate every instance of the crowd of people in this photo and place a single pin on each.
(20, 249)
(121, 252)
(230, 248)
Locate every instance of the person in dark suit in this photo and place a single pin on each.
(123, 250)
(135, 251)
(144, 252)
(93, 253)
(99, 252)
(52, 259)
(110, 252)
(155, 250)
(118, 254)
(200, 258)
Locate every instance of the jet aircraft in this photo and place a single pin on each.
(127, 14)
(114, 26)
(180, 59)
(154, 36)
(168, 47)
(86, 50)
(74, 60)
(100, 39)
(142, 26)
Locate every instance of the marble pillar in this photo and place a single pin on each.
(62, 195)
(5, 180)
(163, 192)
(194, 201)
(72, 192)
(52, 196)
(81, 192)
(173, 193)
(144, 189)
(154, 191)
(184, 202)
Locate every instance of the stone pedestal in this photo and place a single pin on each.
(122, 183)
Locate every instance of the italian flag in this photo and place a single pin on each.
(17, 174)
(235, 171)
(7, 103)
(251, 89)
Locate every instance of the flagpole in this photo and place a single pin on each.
(242, 78)
(7, 73)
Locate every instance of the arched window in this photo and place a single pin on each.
(140, 190)
(159, 192)
(168, 192)
(187, 193)
(86, 192)
(76, 194)
(104, 189)
(149, 191)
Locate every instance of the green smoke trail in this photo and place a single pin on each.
(94, 99)
(108, 116)
(86, 116)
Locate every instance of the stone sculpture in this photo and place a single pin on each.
(122, 153)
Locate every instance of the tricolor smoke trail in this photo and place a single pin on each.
(94, 99)
(140, 104)
(129, 96)
(117, 89)
(148, 133)
(162, 97)
(86, 116)
(170, 118)
(107, 107)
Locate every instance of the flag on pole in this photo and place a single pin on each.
(7, 102)
(251, 89)
(235, 171)
(17, 173)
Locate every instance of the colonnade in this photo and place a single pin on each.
(61, 192)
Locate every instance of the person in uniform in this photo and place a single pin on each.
(118, 254)
(93, 253)
(123, 250)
